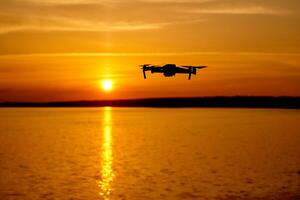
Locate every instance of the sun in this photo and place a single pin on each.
(107, 85)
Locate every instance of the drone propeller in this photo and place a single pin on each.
(144, 67)
(193, 70)
(195, 67)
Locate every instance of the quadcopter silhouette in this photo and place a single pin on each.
(170, 70)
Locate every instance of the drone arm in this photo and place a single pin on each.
(190, 74)
(200, 67)
(144, 73)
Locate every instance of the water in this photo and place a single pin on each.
(146, 153)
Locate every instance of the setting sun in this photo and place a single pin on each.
(107, 85)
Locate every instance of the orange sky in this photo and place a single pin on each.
(61, 50)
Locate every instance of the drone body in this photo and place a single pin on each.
(169, 70)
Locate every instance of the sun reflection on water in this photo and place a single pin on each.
(107, 174)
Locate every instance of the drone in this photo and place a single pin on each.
(170, 70)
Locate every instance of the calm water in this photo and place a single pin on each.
(140, 153)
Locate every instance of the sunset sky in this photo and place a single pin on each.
(65, 49)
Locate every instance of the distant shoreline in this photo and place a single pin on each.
(188, 102)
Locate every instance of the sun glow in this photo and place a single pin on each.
(107, 173)
(107, 85)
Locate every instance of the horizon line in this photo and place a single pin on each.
(198, 101)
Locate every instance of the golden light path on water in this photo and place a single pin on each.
(107, 174)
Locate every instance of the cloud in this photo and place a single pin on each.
(130, 15)
(65, 2)
(12, 23)
(113, 1)
(178, 1)
(84, 26)
(253, 10)
(151, 54)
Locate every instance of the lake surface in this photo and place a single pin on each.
(147, 153)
